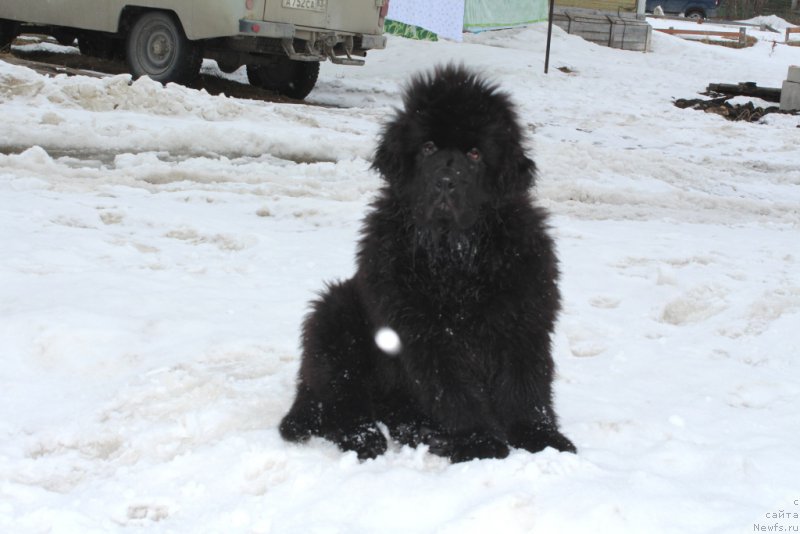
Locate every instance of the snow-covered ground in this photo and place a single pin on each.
(159, 246)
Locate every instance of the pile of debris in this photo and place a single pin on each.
(733, 112)
(719, 104)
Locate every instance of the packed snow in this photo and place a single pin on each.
(160, 246)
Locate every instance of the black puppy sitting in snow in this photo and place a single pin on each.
(457, 264)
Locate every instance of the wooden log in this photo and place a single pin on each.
(769, 94)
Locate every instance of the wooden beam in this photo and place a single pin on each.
(770, 94)
(707, 33)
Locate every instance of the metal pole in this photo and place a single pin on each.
(549, 36)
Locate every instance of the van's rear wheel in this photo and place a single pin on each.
(695, 14)
(157, 47)
(294, 79)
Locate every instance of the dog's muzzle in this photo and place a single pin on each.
(443, 207)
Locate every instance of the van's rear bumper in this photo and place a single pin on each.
(280, 30)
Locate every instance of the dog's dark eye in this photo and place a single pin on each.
(429, 148)
(474, 154)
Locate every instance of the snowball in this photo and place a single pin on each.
(677, 420)
(388, 341)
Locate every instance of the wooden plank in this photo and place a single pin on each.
(740, 36)
(709, 33)
(611, 6)
(588, 30)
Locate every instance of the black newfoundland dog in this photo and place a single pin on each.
(457, 276)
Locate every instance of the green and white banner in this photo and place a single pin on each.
(445, 18)
(480, 15)
(424, 19)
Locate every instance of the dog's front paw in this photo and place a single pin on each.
(295, 428)
(536, 438)
(365, 439)
(414, 433)
(466, 447)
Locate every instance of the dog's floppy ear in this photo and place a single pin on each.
(388, 160)
(397, 143)
(394, 157)
(519, 173)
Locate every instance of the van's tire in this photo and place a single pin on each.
(695, 14)
(8, 32)
(158, 47)
(294, 79)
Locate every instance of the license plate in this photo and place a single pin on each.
(307, 5)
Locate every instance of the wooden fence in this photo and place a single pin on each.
(790, 31)
(741, 35)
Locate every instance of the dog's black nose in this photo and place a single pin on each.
(445, 183)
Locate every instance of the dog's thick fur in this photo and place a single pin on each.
(457, 261)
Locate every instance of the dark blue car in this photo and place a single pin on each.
(693, 9)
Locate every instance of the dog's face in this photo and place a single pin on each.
(448, 190)
(453, 150)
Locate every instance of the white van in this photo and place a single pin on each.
(282, 42)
